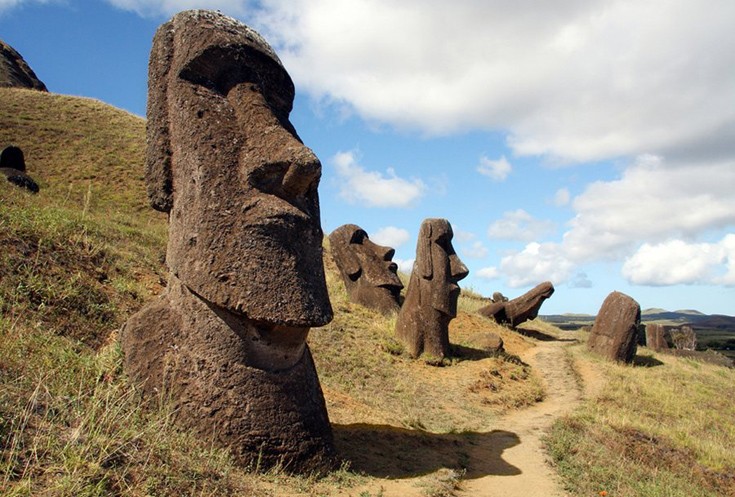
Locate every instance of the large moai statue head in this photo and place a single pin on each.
(225, 162)
(227, 339)
(431, 299)
(367, 268)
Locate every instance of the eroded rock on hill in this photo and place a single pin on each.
(15, 71)
(614, 334)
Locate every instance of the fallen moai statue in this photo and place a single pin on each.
(520, 309)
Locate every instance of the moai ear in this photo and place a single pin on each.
(159, 176)
(426, 264)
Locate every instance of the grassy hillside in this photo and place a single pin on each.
(79, 258)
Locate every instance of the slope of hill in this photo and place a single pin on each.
(80, 257)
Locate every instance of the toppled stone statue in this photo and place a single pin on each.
(431, 300)
(656, 337)
(13, 167)
(614, 333)
(520, 309)
(15, 72)
(367, 269)
(226, 341)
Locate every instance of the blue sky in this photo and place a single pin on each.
(586, 142)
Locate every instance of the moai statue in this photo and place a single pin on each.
(431, 299)
(366, 268)
(226, 342)
(520, 309)
(614, 334)
(13, 167)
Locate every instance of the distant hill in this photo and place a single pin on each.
(691, 317)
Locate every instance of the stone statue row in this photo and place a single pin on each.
(225, 343)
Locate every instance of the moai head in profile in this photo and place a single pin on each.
(367, 268)
(431, 300)
(520, 309)
(228, 338)
(13, 167)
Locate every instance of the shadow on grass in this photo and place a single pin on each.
(384, 451)
(646, 361)
(541, 336)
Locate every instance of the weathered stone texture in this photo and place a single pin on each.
(15, 71)
(227, 340)
(431, 300)
(367, 269)
(614, 333)
(656, 337)
(520, 309)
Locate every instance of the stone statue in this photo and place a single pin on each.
(366, 268)
(614, 334)
(431, 300)
(520, 309)
(227, 339)
(13, 167)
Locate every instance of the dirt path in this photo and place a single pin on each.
(508, 461)
(522, 469)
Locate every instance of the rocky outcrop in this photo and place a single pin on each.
(520, 309)
(367, 269)
(614, 334)
(431, 299)
(15, 72)
(226, 342)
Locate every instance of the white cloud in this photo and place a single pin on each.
(373, 189)
(581, 280)
(404, 265)
(390, 236)
(463, 236)
(475, 251)
(578, 80)
(561, 197)
(536, 263)
(651, 202)
(488, 273)
(519, 225)
(498, 170)
(6, 5)
(678, 262)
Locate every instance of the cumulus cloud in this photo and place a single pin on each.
(581, 280)
(577, 81)
(534, 264)
(488, 273)
(498, 170)
(390, 236)
(6, 5)
(519, 225)
(678, 262)
(373, 189)
(475, 251)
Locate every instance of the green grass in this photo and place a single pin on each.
(665, 430)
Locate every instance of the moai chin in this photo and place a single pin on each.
(227, 340)
(431, 300)
(367, 269)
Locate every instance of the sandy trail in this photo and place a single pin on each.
(521, 469)
(508, 461)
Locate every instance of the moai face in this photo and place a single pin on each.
(239, 185)
(439, 266)
(366, 267)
